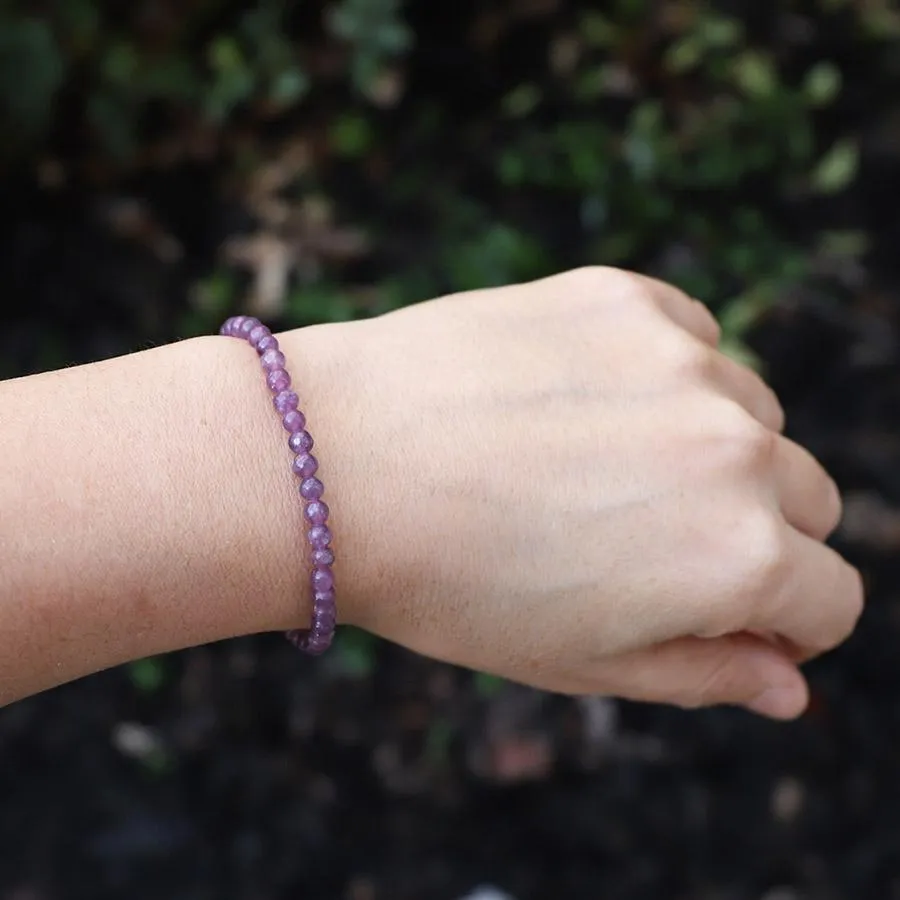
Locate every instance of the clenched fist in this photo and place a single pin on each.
(567, 484)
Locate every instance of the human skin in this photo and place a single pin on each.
(562, 482)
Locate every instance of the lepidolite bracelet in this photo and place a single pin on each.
(318, 637)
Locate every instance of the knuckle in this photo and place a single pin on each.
(593, 276)
(609, 283)
(744, 443)
(715, 329)
(691, 360)
(763, 562)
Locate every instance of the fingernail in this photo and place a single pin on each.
(779, 702)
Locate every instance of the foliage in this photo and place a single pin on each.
(205, 62)
(687, 139)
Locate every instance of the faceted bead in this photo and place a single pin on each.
(247, 326)
(317, 644)
(300, 442)
(294, 420)
(323, 557)
(323, 622)
(305, 465)
(319, 536)
(317, 513)
(272, 360)
(312, 489)
(319, 636)
(285, 402)
(269, 342)
(257, 335)
(322, 579)
(278, 380)
(299, 637)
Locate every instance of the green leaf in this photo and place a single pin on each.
(225, 54)
(351, 135)
(822, 84)
(522, 101)
(684, 54)
(739, 315)
(288, 87)
(355, 650)
(439, 740)
(755, 74)
(147, 675)
(881, 22)
(846, 245)
(597, 30)
(837, 168)
(719, 32)
(487, 686)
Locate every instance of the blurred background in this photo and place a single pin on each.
(166, 162)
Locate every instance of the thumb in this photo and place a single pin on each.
(741, 670)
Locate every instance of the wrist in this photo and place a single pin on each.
(325, 360)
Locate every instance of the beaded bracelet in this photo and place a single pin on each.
(318, 637)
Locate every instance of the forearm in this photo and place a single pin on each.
(146, 504)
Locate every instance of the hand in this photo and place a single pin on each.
(566, 484)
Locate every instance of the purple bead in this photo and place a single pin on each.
(278, 380)
(322, 580)
(257, 335)
(246, 327)
(319, 636)
(269, 342)
(324, 608)
(323, 557)
(312, 642)
(272, 360)
(316, 512)
(319, 536)
(300, 442)
(294, 420)
(231, 325)
(323, 622)
(297, 636)
(316, 644)
(305, 465)
(312, 489)
(285, 402)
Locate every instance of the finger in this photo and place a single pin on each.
(740, 670)
(692, 315)
(748, 389)
(809, 498)
(812, 599)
